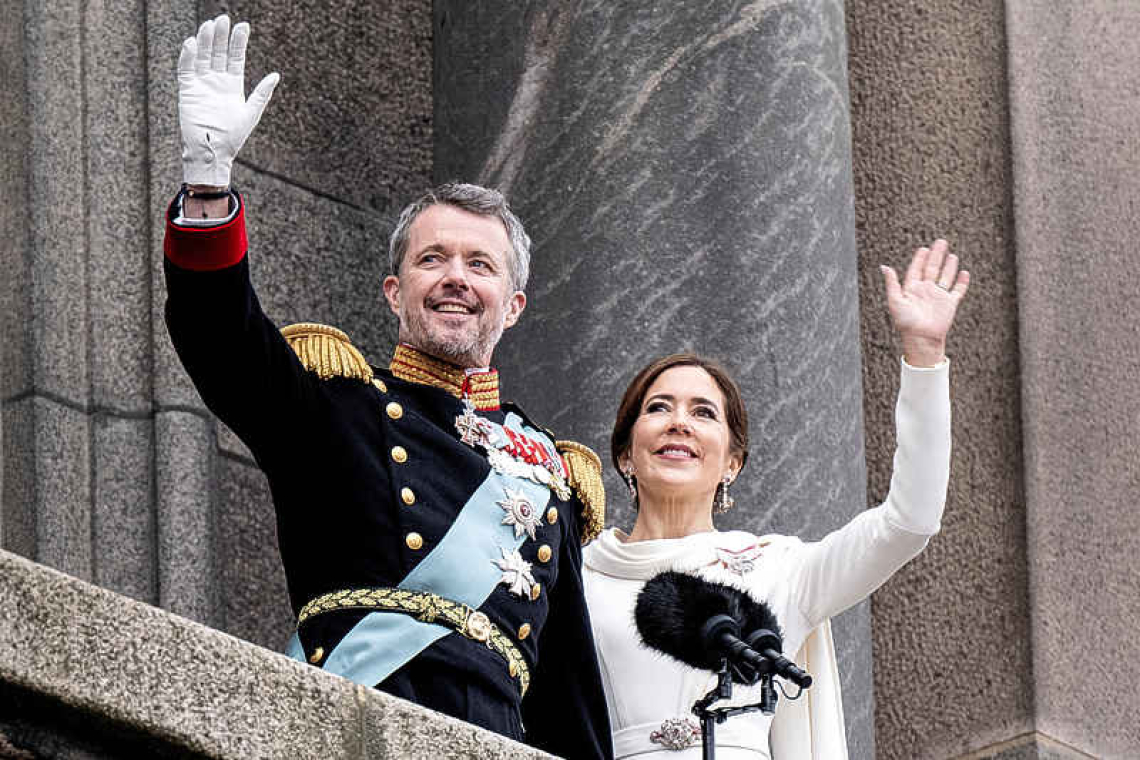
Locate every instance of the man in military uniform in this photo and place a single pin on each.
(430, 534)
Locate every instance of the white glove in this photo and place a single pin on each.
(215, 116)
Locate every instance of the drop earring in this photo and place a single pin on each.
(627, 473)
(723, 501)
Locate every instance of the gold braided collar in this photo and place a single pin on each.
(482, 387)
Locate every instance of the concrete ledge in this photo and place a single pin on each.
(85, 672)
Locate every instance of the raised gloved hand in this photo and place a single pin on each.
(215, 116)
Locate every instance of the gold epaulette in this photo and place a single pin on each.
(586, 479)
(326, 351)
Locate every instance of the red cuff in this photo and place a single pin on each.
(204, 249)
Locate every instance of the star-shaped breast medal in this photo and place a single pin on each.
(516, 572)
(519, 513)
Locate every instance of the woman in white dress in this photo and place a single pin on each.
(680, 439)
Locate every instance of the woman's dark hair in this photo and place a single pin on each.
(735, 414)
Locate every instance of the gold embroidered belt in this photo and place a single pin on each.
(427, 608)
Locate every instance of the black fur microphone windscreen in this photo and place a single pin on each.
(673, 607)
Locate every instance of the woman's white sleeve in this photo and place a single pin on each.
(847, 565)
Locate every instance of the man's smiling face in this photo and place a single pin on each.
(454, 294)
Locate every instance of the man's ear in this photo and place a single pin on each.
(392, 293)
(515, 305)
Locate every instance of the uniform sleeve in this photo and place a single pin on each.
(847, 565)
(240, 364)
(564, 711)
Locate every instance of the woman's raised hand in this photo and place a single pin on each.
(923, 306)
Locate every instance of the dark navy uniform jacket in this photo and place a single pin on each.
(344, 456)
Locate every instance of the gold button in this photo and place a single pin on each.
(399, 455)
(552, 515)
(544, 553)
(380, 385)
(414, 541)
(513, 668)
(524, 631)
(394, 410)
(317, 655)
(535, 592)
(408, 496)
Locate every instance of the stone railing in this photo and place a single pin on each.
(85, 672)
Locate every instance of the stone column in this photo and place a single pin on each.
(1076, 160)
(76, 399)
(684, 171)
(1010, 127)
(931, 147)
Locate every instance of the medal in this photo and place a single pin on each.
(510, 452)
(516, 572)
(519, 513)
(470, 425)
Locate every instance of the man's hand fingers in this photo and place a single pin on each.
(917, 264)
(238, 40)
(221, 43)
(205, 47)
(186, 57)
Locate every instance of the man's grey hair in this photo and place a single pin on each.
(478, 200)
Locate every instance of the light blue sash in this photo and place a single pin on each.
(459, 568)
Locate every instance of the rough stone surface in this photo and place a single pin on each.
(62, 451)
(57, 183)
(252, 582)
(169, 22)
(684, 172)
(1076, 162)
(15, 261)
(1034, 746)
(18, 519)
(930, 141)
(186, 480)
(351, 117)
(118, 246)
(123, 514)
(73, 649)
(404, 730)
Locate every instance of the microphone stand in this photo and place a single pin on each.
(709, 716)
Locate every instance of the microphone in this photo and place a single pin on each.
(699, 622)
(768, 645)
(766, 638)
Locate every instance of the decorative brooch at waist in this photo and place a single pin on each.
(677, 733)
(512, 453)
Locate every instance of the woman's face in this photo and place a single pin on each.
(679, 445)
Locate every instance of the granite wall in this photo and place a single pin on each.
(1074, 87)
(1009, 127)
